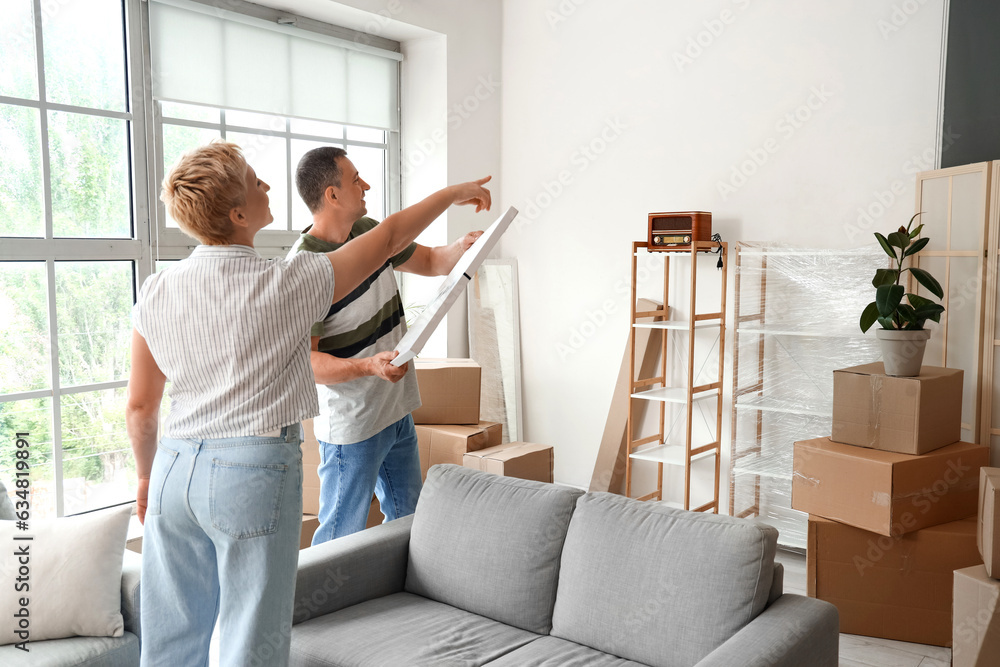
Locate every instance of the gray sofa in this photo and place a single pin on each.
(511, 573)
(90, 651)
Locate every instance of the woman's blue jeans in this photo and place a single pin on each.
(221, 539)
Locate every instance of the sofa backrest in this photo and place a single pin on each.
(490, 545)
(657, 585)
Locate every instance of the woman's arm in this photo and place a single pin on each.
(360, 257)
(142, 411)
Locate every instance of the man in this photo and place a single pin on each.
(366, 436)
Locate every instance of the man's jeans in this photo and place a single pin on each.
(388, 464)
(221, 538)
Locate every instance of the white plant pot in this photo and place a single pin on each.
(902, 351)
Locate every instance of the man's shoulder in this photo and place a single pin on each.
(363, 225)
(308, 243)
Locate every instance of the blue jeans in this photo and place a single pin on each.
(221, 539)
(388, 464)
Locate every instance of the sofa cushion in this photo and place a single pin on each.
(75, 568)
(80, 651)
(402, 629)
(490, 544)
(555, 652)
(658, 585)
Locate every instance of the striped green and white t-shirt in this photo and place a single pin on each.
(367, 321)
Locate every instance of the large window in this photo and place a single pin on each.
(86, 132)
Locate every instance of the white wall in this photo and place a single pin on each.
(451, 97)
(604, 121)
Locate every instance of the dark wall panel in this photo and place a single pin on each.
(971, 131)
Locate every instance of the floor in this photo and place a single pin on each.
(856, 651)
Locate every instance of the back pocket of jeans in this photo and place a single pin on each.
(163, 462)
(246, 497)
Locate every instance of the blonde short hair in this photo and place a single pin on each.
(203, 187)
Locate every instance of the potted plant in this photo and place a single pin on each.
(902, 336)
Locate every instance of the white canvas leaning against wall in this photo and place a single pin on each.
(421, 329)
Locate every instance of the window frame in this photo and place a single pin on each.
(51, 249)
(150, 239)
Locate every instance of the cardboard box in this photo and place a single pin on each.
(911, 415)
(375, 515)
(448, 443)
(310, 446)
(896, 587)
(988, 534)
(449, 391)
(976, 623)
(886, 492)
(523, 460)
(609, 468)
(309, 525)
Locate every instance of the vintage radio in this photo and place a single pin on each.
(676, 231)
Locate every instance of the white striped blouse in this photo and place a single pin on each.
(230, 330)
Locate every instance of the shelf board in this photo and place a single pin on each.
(673, 395)
(786, 331)
(678, 324)
(807, 252)
(761, 470)
(668, 454)
(767, 404)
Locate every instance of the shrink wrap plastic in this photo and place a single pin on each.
(797, 322)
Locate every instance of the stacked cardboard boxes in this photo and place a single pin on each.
(891, 496)
(976, 622)
(449, 429)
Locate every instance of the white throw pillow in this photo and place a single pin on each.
(73, 573)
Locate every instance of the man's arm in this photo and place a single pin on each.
(440, 260)
(358, 258)
(329, 369)
(142, 411)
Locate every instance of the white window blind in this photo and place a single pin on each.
(207, 55)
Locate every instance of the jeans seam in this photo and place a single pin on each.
(338, 452)
(384, 471)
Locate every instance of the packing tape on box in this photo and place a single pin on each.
(876, 409)
(811, 481)
(881, 499)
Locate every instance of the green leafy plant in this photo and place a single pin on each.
(888, 308)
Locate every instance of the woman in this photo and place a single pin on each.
(221, 499)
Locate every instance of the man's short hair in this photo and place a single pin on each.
(318, 170)
(203, 187)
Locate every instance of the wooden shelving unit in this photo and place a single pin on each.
(654, 448)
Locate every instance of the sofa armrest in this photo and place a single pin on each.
(351, 569)
(793, 631)
(131, 574)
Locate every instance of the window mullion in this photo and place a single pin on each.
(43, 121)
(57, 468)
(290, 182)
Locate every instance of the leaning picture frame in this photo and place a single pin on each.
(451, 288)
